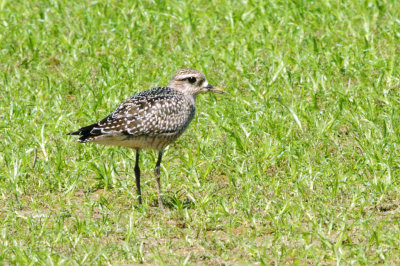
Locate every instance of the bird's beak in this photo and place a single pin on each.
(210, 87)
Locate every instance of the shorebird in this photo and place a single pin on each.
(151, 119)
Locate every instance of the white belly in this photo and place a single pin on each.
(140, 142)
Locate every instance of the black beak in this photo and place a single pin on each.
(209, 86)
(214, 89)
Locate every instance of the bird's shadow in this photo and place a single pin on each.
(174, 202)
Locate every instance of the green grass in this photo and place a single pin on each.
(298, 163)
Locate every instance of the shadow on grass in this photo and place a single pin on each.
(173, 202)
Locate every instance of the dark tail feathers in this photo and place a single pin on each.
(85, 133)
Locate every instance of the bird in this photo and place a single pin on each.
(151, 119)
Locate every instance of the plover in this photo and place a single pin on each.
(151, 119)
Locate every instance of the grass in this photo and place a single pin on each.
(298, 164)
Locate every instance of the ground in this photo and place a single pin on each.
(297, 163)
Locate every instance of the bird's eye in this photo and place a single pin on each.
(192, 79)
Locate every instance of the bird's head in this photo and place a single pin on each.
(192, 82)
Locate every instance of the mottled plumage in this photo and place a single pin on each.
(151, 119)
(148, 120)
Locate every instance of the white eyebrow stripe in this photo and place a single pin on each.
(187, 76)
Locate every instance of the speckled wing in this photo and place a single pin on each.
(160, 111)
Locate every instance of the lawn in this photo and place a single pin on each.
(298, 163)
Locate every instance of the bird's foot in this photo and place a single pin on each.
(160, 204)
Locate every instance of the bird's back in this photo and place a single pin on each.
(151, 119)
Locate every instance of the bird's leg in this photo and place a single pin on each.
(137, 175)
(157, 174)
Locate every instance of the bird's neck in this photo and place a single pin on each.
(191, 98)
(188, 94)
